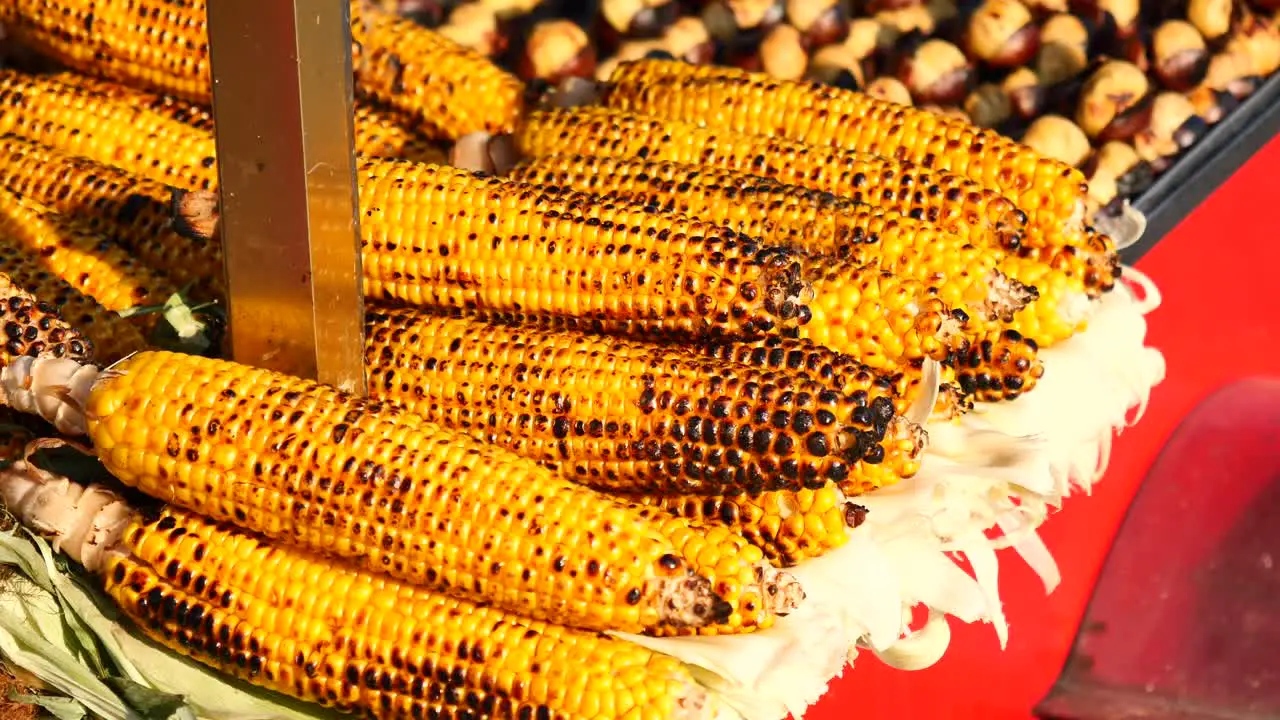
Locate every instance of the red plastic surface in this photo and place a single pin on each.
(1183, 623)
(1217, 324)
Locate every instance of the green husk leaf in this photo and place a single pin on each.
(62, 708)
(151, 703)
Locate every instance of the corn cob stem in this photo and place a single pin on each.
(952, 202)
(283, 618)
(81, 122)
(300, 462)
(108, 201)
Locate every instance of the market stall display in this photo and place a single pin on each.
(700, 381)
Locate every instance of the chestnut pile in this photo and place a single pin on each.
(1117, 87)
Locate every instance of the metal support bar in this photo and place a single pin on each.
(282, 103)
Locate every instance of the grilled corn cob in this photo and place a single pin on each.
(156, 44)
(302, 463)
(789, 527)
(1051, 192)
(377, 133)
(112, 336)
(92, 264)
(113, 132)
(964, 275)
(620, 415)
(439, 236)
(36, 328)
(447, 89)
(1000, 366)
(283, 618)
(133, 211)
(955, 203)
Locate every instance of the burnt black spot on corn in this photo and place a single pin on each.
(305, 464)
(445, 238)
(621, 415)
(113, 336)
(133, 211)
(952, 202)
(92, 124)
(446, 89)
(283, 618)
(35, 328)
(1002, 366)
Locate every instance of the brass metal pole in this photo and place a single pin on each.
(282, 98)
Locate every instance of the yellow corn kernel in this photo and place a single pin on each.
(448, 90)
(788, 527)
(283, 618)
(952, 202)
(35, 328)
(621, 415)
(114, 132)
(1064, 280)
(306, 464)
(445, 238)
(90, 263)
(111, 335)
(156, 44)
(1051, 192)
(133, 211)
(188, 113)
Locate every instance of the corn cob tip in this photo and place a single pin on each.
(35, 328)
(85, 523)
(484, 152)
(195, 213)
(1005, 297)
(690, 601)
(904, 438)
(782, 591)
(55, 389)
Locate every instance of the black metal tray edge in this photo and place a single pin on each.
(1208, 164)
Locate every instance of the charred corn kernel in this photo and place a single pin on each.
(1051, 193)
(884, 320)
(788, 527)
(620, 415)
(950, 201)
(113, 336)
(1001, 366)
(283, 618)
(114, 132)
(448, 90)
(133, 211)
(383, 134)
(188, 113)
(91, 263)
(36, 328)
(1062, 280)
(156, 44)
(302, 463)
(443, 237)
(737, 571)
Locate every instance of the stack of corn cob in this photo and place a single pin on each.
(668, 419)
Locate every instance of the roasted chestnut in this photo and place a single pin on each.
(1002, 33)
(1174, 126)
(1056, 137)
(734, 21)
(889, 89)
(936, 72)
(688, 39)
(837, 65)
(475, 26)
(555, 50)
(1211, 17)
(1179, 57)
(821, 22)
(1114, 102)
(1064, 49)
(1025, 92)
(782, 53)
(639, 18)
(988, 106)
